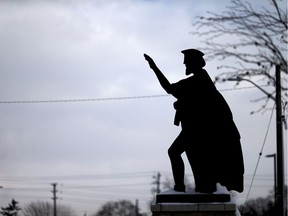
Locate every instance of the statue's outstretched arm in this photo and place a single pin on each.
(162, 79)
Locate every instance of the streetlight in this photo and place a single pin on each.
(238, 79)
(279, 137)
(275, 176)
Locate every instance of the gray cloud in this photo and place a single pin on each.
(94, 49)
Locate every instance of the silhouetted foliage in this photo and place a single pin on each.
(168, 183)
(40, 208)
(257, 39)
(11, 210)
(119, 208)
(258, 207)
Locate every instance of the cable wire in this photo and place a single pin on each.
(102, 99)
(260, 154)
(81, 100)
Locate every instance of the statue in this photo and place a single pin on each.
(209, 136)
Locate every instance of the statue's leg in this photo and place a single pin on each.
(174, 152)
(202, 167)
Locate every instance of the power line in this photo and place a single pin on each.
(260, 153)
(81, 100)
(104, 99)
(32, 179)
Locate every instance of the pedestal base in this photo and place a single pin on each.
(185, 204)
(193, 209)
(191, 198)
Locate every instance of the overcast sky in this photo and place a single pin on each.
(93, 49)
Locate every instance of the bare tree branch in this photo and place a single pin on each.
(254, 41)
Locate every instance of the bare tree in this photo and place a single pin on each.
(253, 40)
(11, 210)
(168, 183)
(261, 205)
(40, 208)
(119, 208)
(258, 206)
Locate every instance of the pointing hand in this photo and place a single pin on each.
(150, 61)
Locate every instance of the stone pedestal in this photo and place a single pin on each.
(191, 198)
(183, 204)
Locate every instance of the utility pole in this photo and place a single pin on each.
(275, 176)
(279, 138)
(280, 197)
(136, 208)
(157, 182)
(54, 198)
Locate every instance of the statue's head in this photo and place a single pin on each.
(193, 60)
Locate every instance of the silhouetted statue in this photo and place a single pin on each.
(209, 136)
